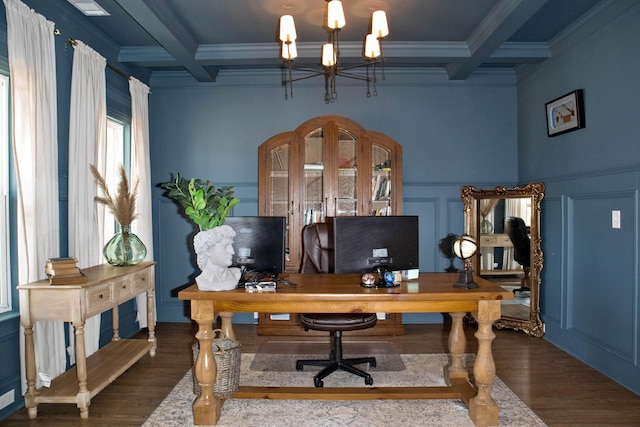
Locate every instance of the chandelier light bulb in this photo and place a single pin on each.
(371, 46)
(335, 15)
(328, 58)
(287, 29)
(379, 26)
(289, 51)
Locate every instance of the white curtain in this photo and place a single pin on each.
(518, 208)
(87, 145)
(141, 169)
(32, 67)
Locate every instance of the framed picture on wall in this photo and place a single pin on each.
(565, 114)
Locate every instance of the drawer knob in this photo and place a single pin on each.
(100, 296)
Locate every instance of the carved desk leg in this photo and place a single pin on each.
(206, 408)
(457, 345)
(483, 410)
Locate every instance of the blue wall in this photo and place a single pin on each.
(212, 131)
(487, 130)
(590, 291)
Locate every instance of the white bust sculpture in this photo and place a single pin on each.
(214, 252)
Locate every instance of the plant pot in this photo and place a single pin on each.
(214, 255)
(124, 248)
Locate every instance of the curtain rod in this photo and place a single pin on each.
(73, 42)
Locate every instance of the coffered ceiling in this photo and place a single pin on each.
(203, 37)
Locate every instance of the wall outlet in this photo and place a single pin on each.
(7, 399)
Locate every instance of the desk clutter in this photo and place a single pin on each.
(64, 271)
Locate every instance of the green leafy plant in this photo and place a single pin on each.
(206, 205)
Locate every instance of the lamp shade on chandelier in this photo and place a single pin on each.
(330, 53)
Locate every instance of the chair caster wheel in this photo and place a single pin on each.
(318, 383)
(299, 367)
(373, 364)
(368, 381)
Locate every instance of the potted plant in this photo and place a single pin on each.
(124, 248)
(208, 206)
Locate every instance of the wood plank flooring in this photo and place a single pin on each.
(560, 389)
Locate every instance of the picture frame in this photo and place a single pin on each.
(565, 114)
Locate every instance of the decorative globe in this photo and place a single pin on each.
(465, 246)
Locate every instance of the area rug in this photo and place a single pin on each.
(175, 410)
(270, 357)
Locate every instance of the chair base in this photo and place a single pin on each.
(337, 362)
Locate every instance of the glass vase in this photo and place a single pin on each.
(124, 248)
(485, 226)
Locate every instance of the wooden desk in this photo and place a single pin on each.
(107, 287)
(329, 293)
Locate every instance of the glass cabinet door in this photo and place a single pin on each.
(313, 193)
(346, 203)
(279, 199)
(381, 180)
(279, 188)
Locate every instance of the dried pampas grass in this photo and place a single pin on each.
(123, 207)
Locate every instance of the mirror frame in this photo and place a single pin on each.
(471, 197)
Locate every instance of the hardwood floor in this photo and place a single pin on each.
(559, 388)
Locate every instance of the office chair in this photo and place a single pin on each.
(317, 241)
(517, 231)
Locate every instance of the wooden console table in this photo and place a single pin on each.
(107, 287)
(341, 293)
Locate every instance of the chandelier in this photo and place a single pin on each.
(331, 67)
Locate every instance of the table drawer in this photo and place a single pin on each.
(123, 289)
(141, 281)
(99, 298)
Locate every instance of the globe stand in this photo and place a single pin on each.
(464, 248)
(465, 280)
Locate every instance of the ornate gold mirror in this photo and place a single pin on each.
(506, 224)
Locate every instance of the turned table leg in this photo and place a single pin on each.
(151, 320)
(30, 372)
(206, 408)
(457, 346)
(226, 326)
(83, 398)
(483, 410)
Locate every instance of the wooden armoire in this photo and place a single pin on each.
(328, 166)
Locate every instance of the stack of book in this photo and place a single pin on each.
(64, 271)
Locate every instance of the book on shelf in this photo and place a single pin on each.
(68, 279)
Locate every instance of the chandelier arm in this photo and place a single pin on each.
(290, 81)
(315, 74)
(354, 76)
(381, 61)
(368, 80)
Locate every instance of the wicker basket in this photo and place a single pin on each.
(226, 353)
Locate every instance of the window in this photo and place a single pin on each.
(115, 158)
(5, 288)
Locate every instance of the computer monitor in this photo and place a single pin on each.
(259, 243)
(366, 243)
